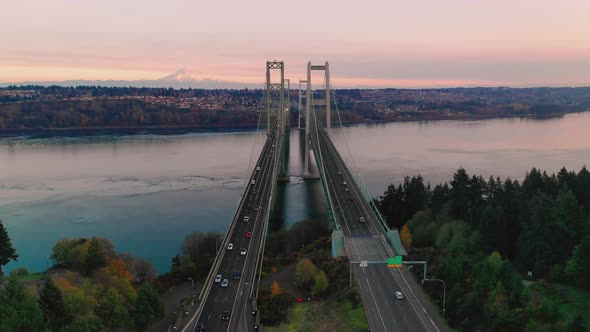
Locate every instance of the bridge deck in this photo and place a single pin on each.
(366, 241)
(237, 296)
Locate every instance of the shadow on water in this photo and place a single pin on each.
(299, 216)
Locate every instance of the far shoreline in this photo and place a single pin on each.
(222, 128)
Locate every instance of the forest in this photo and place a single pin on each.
(483, 238)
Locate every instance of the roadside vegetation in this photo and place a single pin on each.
(483, 238)
(306, 288)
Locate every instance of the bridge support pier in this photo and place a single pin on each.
(309, 108)
(338, 244)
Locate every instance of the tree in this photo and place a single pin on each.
(406, 237)
(118, 268)
(275, 289)
(7, 251)
(112, 309)
(19, 310)
(320, 284)
(96, 256)
(54, 308)
(144, 271)
(149, 308)
(304, 273)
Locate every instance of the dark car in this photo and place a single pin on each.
(200, 327)
(237, 275)
(226, 314)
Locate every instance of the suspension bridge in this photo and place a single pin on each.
(227, 301)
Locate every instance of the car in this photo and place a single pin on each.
(399, 295)
(254, 192)
(230, 246)
(257, 168)
(248, 235)
(346, 189)
(237, 275)
(249, 206)
(226, 314)
(200, 327)
(339, 173)
(344, 183)
(246, 218)
(256, 208)
(362, 220)
(243, 252)
(218, 278)
(253, 182)
(224, 283)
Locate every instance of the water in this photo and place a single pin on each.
(147, 192)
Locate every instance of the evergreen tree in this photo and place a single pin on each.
(148, 308)
(96, 256)
(7, 251)
(54, 308)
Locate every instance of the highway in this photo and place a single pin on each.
(237, 295)
(364, 241)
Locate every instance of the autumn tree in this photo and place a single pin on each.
(118, 267)
(275, 289)
(143, 270)
(7, 251)
(54, 308)
(304, 273)
(406, 237)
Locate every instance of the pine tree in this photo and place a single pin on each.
(96, 256)
(54, 308)
(149, 308)
(7, 251)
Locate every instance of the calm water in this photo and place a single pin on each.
(146, 192)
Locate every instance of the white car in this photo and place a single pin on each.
(218, 278)
(230, 246)
(257, 168)
(243, 252)
(246, 218)
(362, 220)
(399, 295)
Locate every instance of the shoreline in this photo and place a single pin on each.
(175, 130)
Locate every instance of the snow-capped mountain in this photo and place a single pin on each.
(181, 79)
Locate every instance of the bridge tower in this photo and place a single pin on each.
(275, 94)
(301, 96)
(310, 104)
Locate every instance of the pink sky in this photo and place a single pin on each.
(418, 43)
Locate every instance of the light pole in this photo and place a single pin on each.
(216, 245)
(193, 295)
(444, 292)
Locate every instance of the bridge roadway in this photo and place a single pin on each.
(366, 241)
(236, 296)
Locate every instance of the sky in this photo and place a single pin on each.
(371, 43)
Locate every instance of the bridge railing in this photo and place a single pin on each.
(323, 180)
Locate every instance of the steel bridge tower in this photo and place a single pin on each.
(275, 105)
(310, 104)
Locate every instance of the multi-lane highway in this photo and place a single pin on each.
(365, 242)
(227, 308)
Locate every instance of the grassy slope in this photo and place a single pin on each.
(329, 315)
(29, 277)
